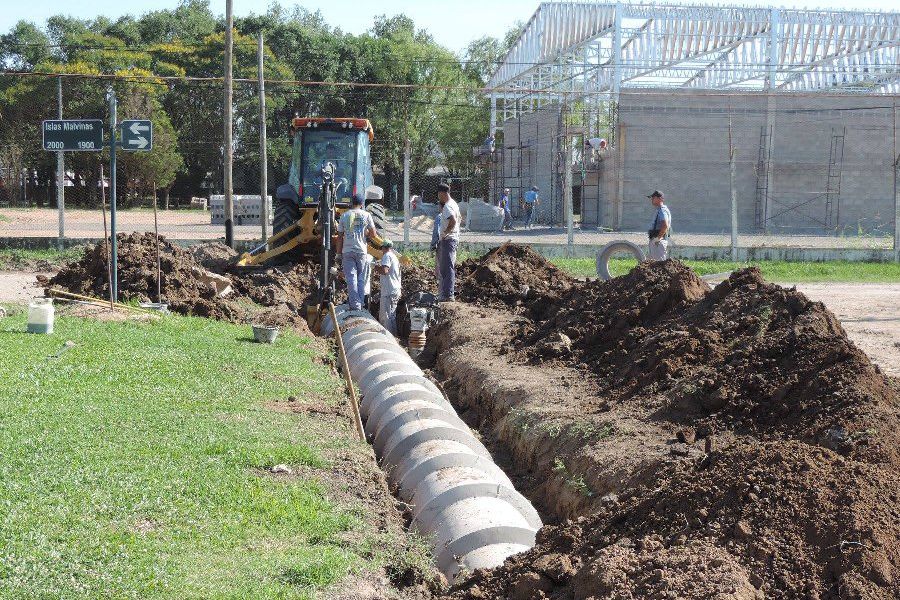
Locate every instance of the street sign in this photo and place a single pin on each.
(73, 135)
(137, 135)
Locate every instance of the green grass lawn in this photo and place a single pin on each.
(780, 271)
(134, 465)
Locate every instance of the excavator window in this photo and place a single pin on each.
(322, 147)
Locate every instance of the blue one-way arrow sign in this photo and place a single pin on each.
(137, 135)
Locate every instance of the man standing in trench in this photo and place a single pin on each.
(449, 239)
(354, 228)
(660, 229)
(389, 269)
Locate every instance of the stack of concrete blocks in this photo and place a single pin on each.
(247, 209)
(483, 217)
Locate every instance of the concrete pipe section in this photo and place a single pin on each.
(460, 499)
(616, 247)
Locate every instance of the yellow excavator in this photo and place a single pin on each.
(330, 163)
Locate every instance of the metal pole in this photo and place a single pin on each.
(567, 196)
(114, 257)
(60, 170)
(105, 237)
(896, 191)
(734, 210)
(407, 209)
(263, 156)
(228, 153)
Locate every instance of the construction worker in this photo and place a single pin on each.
(531, 201)
(507, 213)
(660, 229)
(355, 227)
(449, 239)
(389, 269)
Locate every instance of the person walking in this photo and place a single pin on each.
(355, 227)
(389, 270)
(507, 213)
(661, 228)
(531, 201)
(449, 239)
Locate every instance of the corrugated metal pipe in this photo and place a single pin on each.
(460, 499)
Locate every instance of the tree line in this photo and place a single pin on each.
(160, 60)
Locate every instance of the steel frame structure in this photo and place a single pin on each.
(594, 49)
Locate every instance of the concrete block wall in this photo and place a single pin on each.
(677, 141)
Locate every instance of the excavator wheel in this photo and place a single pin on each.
(380, 218)
(286, 214)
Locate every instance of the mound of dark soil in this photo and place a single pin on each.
(749, 356)
(511, 275)
(282, 291)
(179, 283)
(780, 519)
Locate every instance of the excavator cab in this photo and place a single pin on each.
(344, 143)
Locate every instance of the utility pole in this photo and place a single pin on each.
(734, 212)
(114, 257)
(263, 157)
(407, 209)
(896, 191)
(60, 170)
(227, 154)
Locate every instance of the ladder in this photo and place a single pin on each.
(833, 181)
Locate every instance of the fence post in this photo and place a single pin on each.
(263, 157)
(896, 158)
(734, 209)
(60, 170)
(567, 197)
(407, 209)
(228, 154)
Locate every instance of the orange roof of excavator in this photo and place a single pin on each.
(334, 123)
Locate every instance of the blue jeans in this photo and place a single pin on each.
(447, 262)
(529, 214)
(507, 219)
(355, 273)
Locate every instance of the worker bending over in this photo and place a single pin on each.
(389, 269)
(354, 228)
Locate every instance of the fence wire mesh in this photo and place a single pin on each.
(810, 170)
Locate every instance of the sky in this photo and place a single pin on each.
(453, 23)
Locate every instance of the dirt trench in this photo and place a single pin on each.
(681, 442)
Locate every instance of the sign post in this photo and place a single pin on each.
(79, 135)
(111, 95)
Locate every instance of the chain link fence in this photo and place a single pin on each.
(816, 171)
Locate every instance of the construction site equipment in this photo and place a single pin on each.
(265, 334)
(58, 293)
(416, 313)
(609, 250)
(41, 315)
(299, 222)
(460, 499)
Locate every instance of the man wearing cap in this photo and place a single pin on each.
(449, 239)
(354, 228)
(531, 201)
(507, 213)
(389, 269)
(661, 227)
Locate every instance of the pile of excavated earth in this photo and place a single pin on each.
(783, 478)
(265, 295)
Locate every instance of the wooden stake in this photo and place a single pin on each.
(357, 420)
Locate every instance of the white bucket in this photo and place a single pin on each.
(41, 315)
